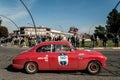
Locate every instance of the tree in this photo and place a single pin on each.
(113, 22)
(3, 31)
(0, 22)
(100, 31)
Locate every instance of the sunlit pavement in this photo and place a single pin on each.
(111, 72)
(13, 46)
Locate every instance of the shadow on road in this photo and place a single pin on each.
(11, 69)
(113, 74)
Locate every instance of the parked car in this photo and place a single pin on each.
(59, 55)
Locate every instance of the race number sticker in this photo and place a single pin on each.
(63, 59)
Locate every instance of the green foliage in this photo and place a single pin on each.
(100, 31)
(113, 22)
(3, 32)
(109, 43)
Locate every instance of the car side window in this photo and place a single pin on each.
(57, 47)
(65, 48)
(61, 48)
(45, 48)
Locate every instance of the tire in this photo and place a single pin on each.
(31, 67)
(94, 67)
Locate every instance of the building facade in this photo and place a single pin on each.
(30, 31)
(42, 31)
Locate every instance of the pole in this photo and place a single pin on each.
(90, 29)
(10, 20)
(30, 16)
(116, 5)
(61, 28)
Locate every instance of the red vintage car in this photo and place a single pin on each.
(59, 55)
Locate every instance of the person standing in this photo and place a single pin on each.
(92, 41)
(105, 41)
(97, 41)
(116, 41)
(83, 41)
(75, 40)
(30, 41)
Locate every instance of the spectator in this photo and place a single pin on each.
(22, 41)
(30, 41)
(116, 41)
(113, 38)
(104, 41)
(39, 39)
(60, 37)
(55, 38)
(43, 38)
(83, 41)
(97, 41)
(75, 40)
(92, 41)
(69, 39)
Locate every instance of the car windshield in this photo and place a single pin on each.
(61, 48)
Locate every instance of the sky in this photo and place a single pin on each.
(57, 14)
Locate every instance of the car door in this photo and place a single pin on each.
(42, 57)
(63, 60)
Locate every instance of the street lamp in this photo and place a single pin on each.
(30, 24)
(90, 28)
(61, 28)
(116, 5)
(10, 20)
(30, 16)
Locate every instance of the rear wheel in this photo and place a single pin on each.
(94, 67)
(31, 67)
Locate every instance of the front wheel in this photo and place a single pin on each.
(94, 67)
(31, 67)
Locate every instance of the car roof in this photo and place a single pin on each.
(50, 42)
(54, 42)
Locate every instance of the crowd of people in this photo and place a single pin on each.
(96, 40)
(76, 40)
(24, 41)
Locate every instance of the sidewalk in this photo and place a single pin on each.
(95, 48)
(13, 46)
(102, 48)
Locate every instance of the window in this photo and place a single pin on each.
(65, 48)
(61, 48)
(45, 48)
(54, 48)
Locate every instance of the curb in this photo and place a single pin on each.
(95, 48)
(103, 48)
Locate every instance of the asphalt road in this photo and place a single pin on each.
(111, 72)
